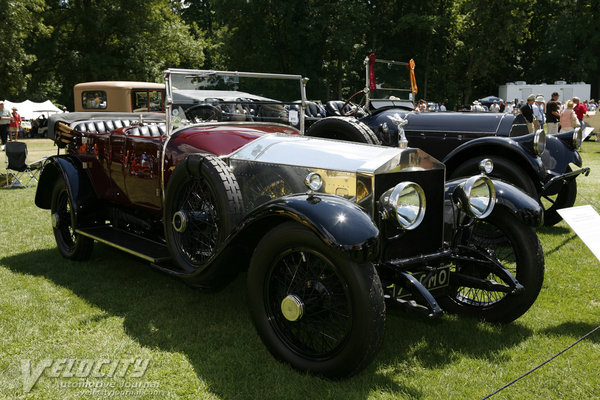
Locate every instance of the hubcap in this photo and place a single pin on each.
(55, 220)
(180, 221)
(292, 307)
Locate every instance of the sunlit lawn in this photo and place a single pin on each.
(202, 345)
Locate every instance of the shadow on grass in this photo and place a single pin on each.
(575, 330)
(566, 235)
(216, 335)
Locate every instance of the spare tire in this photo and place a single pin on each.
(343, 128)
(203, 204)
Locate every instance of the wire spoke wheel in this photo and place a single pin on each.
(514, 245)
(199, 240)
(203, 204)
(326, 319)
(490, 237)
(312, 306)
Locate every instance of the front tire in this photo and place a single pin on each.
(519, 252)
(70, 244)
(313, 308)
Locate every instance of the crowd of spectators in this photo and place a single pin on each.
(555, 115)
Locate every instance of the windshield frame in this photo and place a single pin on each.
(171, 72)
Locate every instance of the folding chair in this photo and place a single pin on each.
(22, 173)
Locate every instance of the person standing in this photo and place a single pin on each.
(15, 124)
(527, 111)
(495, 107)
(4, 122)
(580, 110)
(568, 119)
(539, 112)
(552, 114)
(510, 108)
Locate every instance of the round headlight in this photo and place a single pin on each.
(406, 202)
(481, 196)
(313, 181)
(539, 142)
(577, 138)
(486, 166)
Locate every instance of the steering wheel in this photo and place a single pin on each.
(355, 108)
(202, 113)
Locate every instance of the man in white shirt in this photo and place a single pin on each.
(495, 107)
(509, 109)
(539, 111)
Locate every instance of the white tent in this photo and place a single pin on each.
(30, 110)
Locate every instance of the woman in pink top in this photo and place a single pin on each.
(568, 119)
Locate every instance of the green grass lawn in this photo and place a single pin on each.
(200, 345)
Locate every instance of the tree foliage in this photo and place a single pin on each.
(464, 49)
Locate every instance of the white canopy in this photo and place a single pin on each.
(30, 110)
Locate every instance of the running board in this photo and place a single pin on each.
(138, 246)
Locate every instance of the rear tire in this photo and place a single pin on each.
(338, 304)
(70, 244)
(343, 128)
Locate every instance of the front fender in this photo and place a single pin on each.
(559, 154)
(524, 207)
(76, 180)
(340, 223)
(518, 203)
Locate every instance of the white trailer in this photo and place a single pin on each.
(520, 90)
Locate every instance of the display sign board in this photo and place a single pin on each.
(585, 221)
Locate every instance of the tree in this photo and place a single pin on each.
(112, 40)
(488, 40)
(20, 22)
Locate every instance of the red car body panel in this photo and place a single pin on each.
(125, 169)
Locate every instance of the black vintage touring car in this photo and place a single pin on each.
(328, 231)
(545, 166)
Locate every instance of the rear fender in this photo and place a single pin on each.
(76, 180)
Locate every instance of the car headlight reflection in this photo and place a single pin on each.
(539, 142)
(406, 203)
(479, 196)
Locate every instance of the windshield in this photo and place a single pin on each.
(200, 96)
(389, 82)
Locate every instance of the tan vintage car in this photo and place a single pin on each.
(119, 96)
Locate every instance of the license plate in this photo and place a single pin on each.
(439, 279)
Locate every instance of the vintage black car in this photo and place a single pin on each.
(328, 231)
(545, 166)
